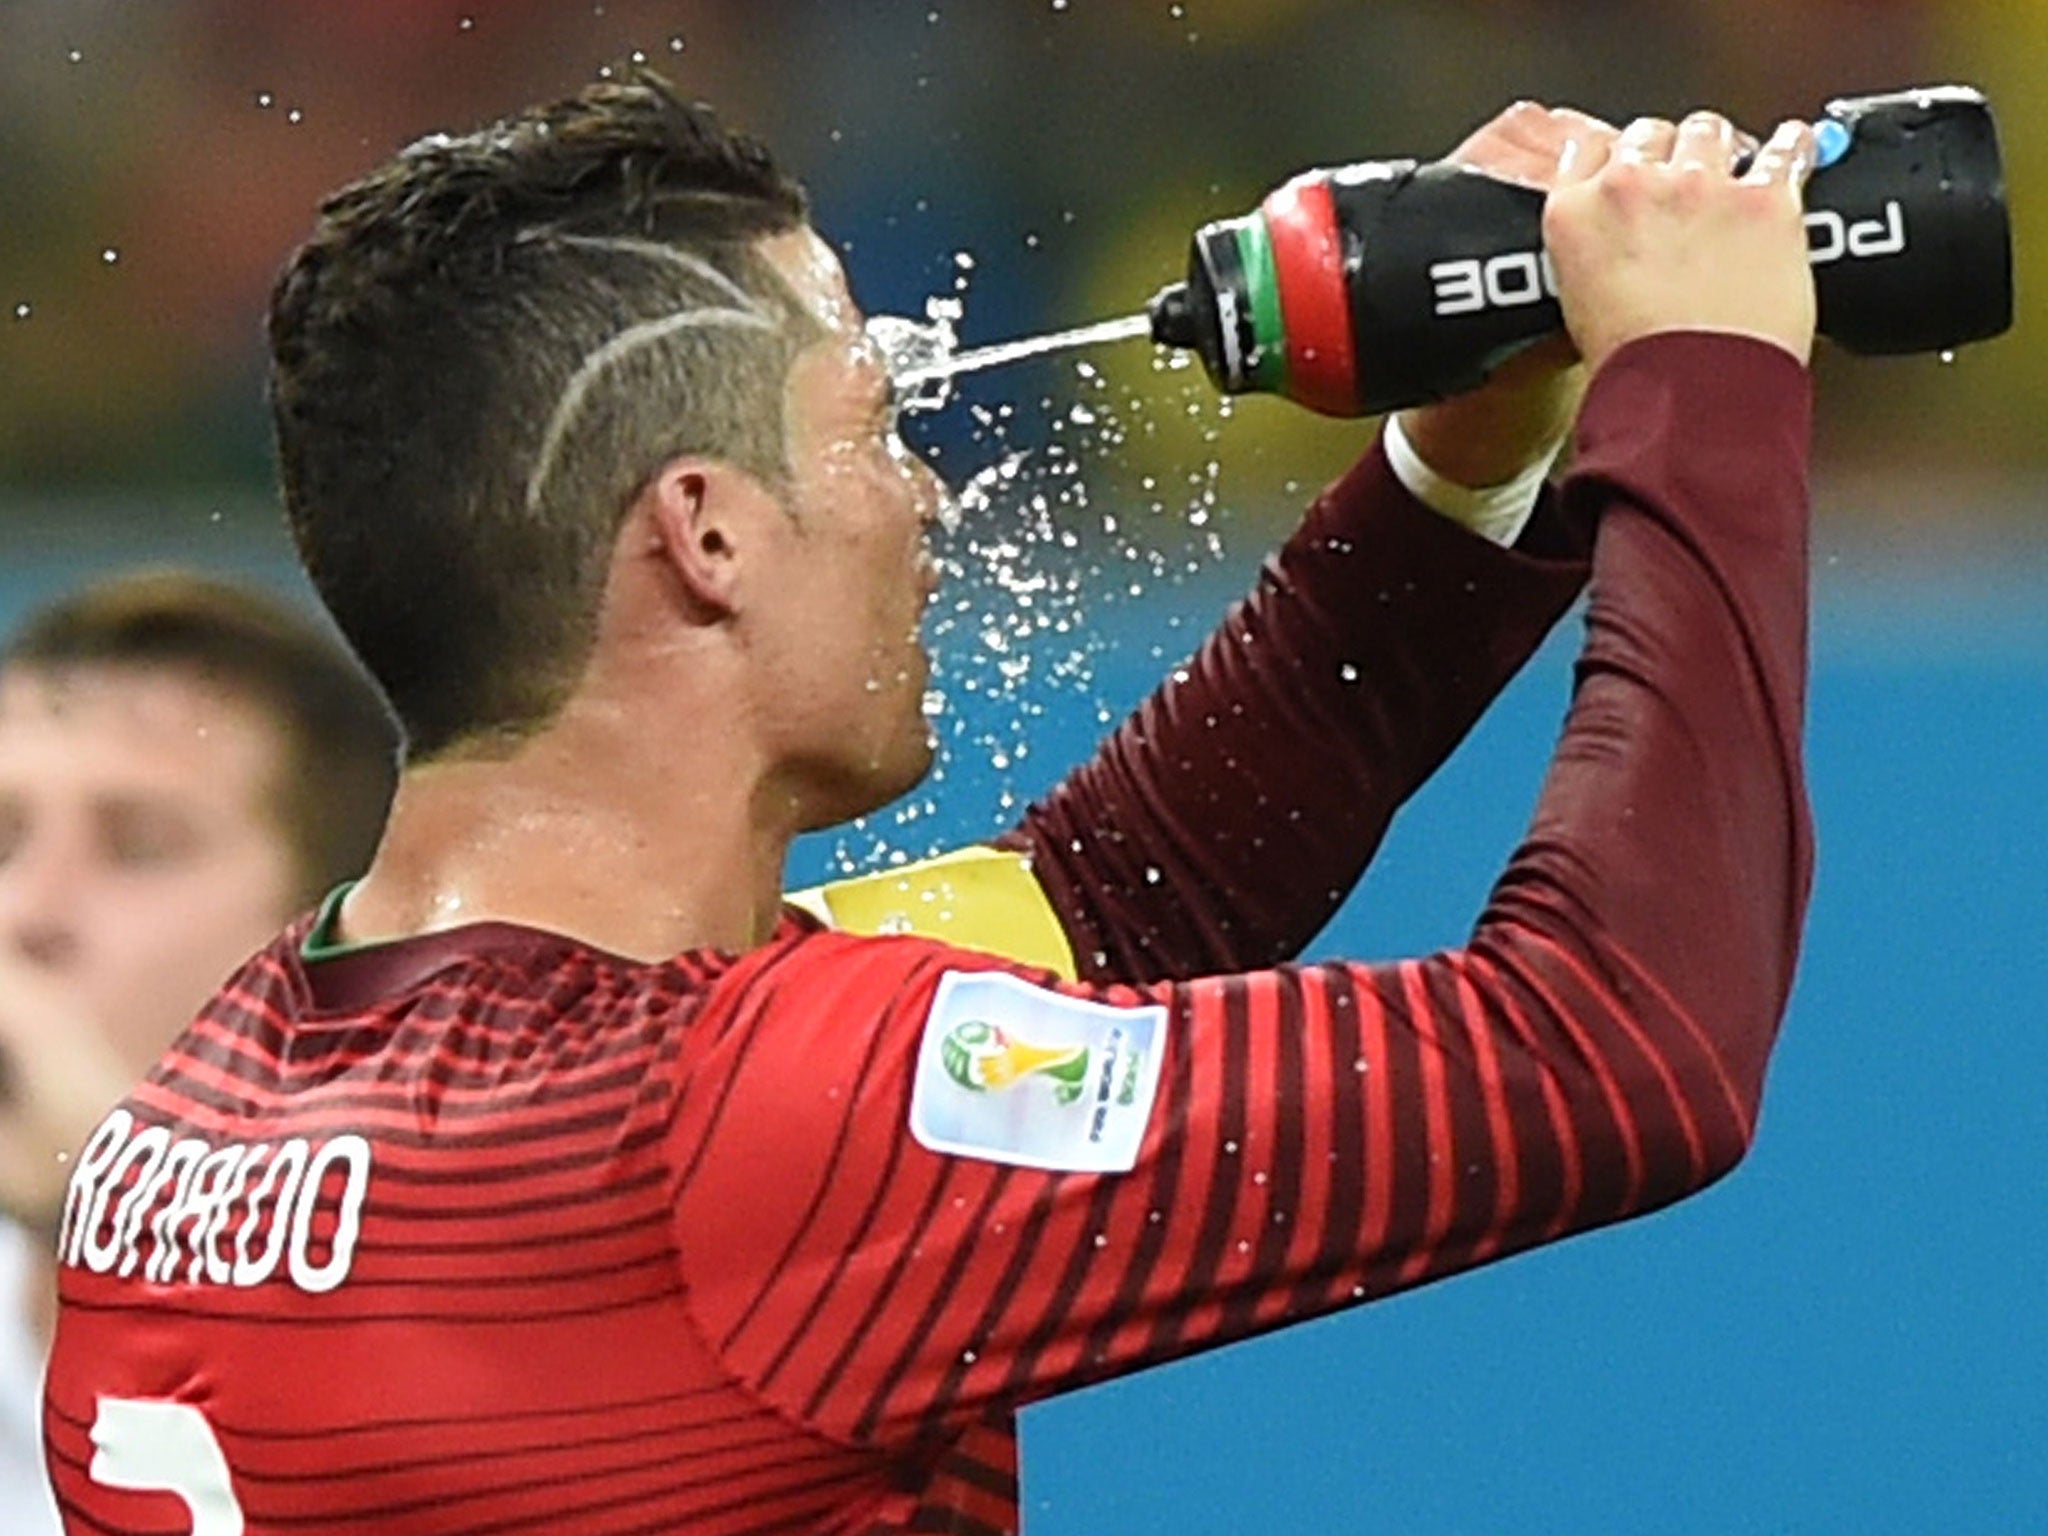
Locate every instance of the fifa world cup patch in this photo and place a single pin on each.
(1014, 1073)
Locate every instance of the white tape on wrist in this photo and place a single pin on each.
(1496, 512)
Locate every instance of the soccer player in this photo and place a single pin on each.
(184, 765)
(560, 1175)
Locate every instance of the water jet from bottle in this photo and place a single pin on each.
(924, 360)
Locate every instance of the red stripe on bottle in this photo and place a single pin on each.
(1315, 303)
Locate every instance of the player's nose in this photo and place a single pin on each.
(36, 899)
(52, 946)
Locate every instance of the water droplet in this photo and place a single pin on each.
(466, 24)
(1102, 1239)
(1059, 5)
(23, 310)
(676, 45)
(110, 255)
(265, 100)
(76, 56)
(1348, 672)
(968, 1357)
(1948, 354)
(295, 116)
(1230, 1147)
(1151, 874)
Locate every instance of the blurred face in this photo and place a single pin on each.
(850, 573)
(139, 859)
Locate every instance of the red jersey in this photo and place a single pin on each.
(490, 1231)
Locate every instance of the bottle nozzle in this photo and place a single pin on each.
(1174, 323)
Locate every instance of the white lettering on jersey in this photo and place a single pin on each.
(140, 1201)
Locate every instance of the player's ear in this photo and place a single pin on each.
(705, 518)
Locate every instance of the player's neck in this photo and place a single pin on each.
(584, 831)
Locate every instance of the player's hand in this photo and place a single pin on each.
(1519, 415)
(58, 1078)
(1653, 231)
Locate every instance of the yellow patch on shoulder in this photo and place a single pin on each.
(975, 898)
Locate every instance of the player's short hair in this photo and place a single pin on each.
(339, 759)
(486, 349)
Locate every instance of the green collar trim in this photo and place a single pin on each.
(320, 942)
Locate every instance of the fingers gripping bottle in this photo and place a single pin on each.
(1371, 287)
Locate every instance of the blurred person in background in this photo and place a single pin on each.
(184, 763)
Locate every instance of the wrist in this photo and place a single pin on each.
(1494, 433)
(1496, 512)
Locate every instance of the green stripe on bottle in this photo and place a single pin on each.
(1268, 365)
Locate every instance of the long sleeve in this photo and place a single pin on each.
(1308, 1137)
(1221, 825)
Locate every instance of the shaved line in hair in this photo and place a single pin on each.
(593, 368)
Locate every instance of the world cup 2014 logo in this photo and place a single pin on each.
(982, 1058)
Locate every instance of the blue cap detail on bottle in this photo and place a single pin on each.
(1831, 140)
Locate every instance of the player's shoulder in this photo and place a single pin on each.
(816, 962)
(260, 997)
(818, 990)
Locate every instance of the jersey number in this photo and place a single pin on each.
(148, 1446)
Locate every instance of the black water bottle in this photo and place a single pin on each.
(1370, 287)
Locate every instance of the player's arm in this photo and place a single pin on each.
(890, 1255)
(884, 1257)
(1323, 1135)
(1220, 826)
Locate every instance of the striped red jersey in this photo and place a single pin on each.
(491, 1231)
